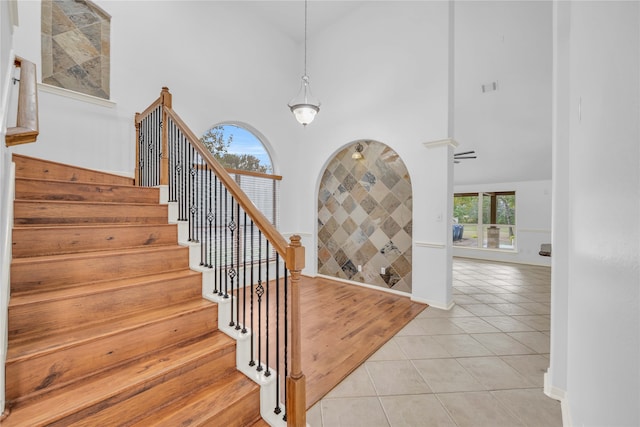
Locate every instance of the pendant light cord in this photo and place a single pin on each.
(305, 38)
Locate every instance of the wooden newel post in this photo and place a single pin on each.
(137, 165)
(165, 98)
(296, 383)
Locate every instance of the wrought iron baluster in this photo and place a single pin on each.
(253, 332)
(285, 374)
(277, 409)
(259, 293)
(266, 334)
(226, 242)
(231, 271)
(244, 276)
(237, 239)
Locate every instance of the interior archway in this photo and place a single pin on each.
(365, 217)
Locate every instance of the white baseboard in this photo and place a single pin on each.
(434, 304)
(561, 396)
(364, 285)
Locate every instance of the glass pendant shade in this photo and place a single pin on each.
(304, 107)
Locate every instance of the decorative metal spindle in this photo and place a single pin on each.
(266, 334)
(193, 209)
(253, 332)
(226, 242)
(244, 275)
(216, 247)
(285, 374)
(238, 266)
(259, 293)
(222, 247)
(231, 266)
(210, 217)
(277, 409)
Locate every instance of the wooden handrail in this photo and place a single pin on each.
(293, 253)
(269, 231)
(26, 129)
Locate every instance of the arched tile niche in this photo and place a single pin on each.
(365, 217)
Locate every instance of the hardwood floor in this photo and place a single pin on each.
(342, 325)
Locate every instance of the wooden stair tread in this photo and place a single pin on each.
(96, 254)
(210, 403)
(96, 287)
(131, 376)
(27, 166)
(43, 240)
(52, 190)
(32, 346)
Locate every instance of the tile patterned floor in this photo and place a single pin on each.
(478, 364)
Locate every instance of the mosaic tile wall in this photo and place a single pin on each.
(76, 46)
(365, 218)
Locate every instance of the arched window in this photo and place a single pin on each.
(245, 157)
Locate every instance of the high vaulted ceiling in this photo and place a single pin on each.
(506, 42)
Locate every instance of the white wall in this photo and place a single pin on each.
(533, 222)
(220, 64)
(381, 73)
(602, 182)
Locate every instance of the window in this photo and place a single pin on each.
(247, 161)
(485, 220)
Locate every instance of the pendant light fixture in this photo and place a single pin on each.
(304, 106)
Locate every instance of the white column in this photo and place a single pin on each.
(432, 227)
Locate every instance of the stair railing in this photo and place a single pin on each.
(238, 243)
(26, 129)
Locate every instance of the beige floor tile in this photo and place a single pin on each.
(314, 415)
(437, 326)
(481, 310)
(536, 307)
(531, 366)
(510, 309)
(535, 340)
(532, 407)
(421, 347)
(515, 298)
(477, 409)
(353, 412)
(357, 384)
(539, 296)
(489, 299)
(502, 344)
(494, 373)
(396, 377)
(390, 351)
(465, 299)
(539, 322)
(472, 325)
(416, 411)
(446, 375)
(508, 324)
(456, 311)
(462, 345)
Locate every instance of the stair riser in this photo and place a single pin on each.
(36, 241)
(42, 373)
(52, 316)
(28, 212)
(27, 167)
(29, 189)
(138, 403)
(38, 275)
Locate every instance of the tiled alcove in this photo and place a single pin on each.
(365, 218)
(76, 46)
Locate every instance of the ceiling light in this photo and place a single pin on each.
(304, 106)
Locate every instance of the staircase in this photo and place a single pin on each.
(107, 324)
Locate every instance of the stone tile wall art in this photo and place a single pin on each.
(365, 218)
(76, 46)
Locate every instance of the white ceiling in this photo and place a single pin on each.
(504, 41)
